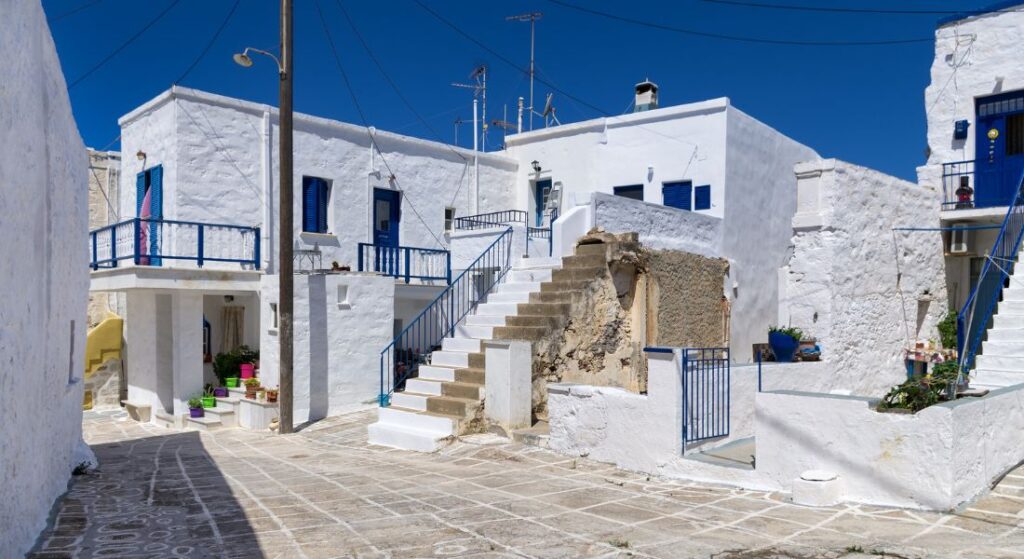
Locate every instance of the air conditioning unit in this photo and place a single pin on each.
(959, 239)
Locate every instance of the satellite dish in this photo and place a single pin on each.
(547, 105)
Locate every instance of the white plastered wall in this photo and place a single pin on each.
(44, 196)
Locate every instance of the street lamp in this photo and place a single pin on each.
(285, 303)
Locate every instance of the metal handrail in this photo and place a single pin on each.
(999, 263)
(405, 262)
(706, 388)
(401, 359)
(125, 242)
(490, 219)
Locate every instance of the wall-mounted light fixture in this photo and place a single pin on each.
(141, 155)
(536, 166)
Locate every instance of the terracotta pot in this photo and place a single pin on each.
(271, 396)
(250, 392)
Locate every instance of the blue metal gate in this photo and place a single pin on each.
(705, 375)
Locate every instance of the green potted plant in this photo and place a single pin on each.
(947, 330)
(784, 342)
(228, 365)
(195, 406)
(251, 385)
(209, 400)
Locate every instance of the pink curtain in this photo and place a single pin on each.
(145, 212)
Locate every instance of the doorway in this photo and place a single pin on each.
(999, 148)
(542, 191)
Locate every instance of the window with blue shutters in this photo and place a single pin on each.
(315, 199)
(677, 194)
(633, 191)
(702, 197)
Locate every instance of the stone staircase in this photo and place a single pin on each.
(446, 398)
(1001, 360)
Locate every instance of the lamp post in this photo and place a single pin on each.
(285, 228)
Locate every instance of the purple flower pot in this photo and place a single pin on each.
(221, 392)
(195, 412)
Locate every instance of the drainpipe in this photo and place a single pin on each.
(476, 161)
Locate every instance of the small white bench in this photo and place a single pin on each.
(138, 412)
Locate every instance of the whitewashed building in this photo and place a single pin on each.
(43, 193)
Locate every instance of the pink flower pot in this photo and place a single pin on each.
(247, 370)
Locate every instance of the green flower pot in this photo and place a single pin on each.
(232, 382)
(209, 402)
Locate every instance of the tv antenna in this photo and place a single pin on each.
(549, 112)
(531, 17)
(479, 87)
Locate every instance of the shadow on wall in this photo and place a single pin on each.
(319, 389)
(151, 497)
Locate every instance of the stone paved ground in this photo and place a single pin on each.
(325, 493)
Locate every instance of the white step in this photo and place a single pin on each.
(1002, 320)
(1003, 348)
(205, 423)
(164, 419)
(1006, 335)
(509, 297)
(992, 377)
(432, 372)
(497, 309)
(423, 386)
(410, 419)
(530, 276)
(467, 345)
(475, 332)
(1013, 293)
(547, 262)
(226, 414)
(1000, 362)
(1010, 306)
(519, 287)
(457, 359)
(405, 438)
(484, 320)
(409, 400)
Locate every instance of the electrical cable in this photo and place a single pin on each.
(213, 40)
(739, 38)
(362, 118)
(831, 9)
(124, 45)
(73, 11)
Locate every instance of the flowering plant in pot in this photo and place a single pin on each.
(271, 395)
(195, 406)
(251, 385)
(220, 392)
(228, 365)
(209, 400)
(784, 342)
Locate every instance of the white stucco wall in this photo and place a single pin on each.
(974, 57)
(940, 458)
(337, 341)
(44, 196)
(864, 291)
(659, 227)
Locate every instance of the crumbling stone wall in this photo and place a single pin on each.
(637, 298)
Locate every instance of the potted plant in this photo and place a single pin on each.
(195, 406)
(947, 330)
(271, 395)
(209, 400)
(784, 342)
(228, 365)
(251, 385)
(261, 394)
(220, 392)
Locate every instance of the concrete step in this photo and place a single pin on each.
(1010, 306)
(485, 320)
(527, 333)
(405, 438)
(451, 406)
(497, 309)
(1014, 292)
(584, 261)
(543, 262)
(205, 423)
(1003, 348)
(434, 372)
(467, 345)
(470, 376)
(467, 390)
(1007, 320)
(519, 286)
(413, 419)
(456, 359)
(164, 419)
(555, 297)
(544, 309)
(225, 413)
(474, 332)
(1000, 362)
(572, 274)
(1006, 335)
(422, 385)
(564, 285)
(531, 276)
(509, 297)
(597, 248)
(994, 377)
(550, 322)
(409, 400)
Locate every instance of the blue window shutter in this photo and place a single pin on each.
(321, 221)
(702, 197)
(156, 187)
(140, 192)
(309, 204)
(676, 194)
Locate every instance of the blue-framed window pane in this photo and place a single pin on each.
(633, 191)
(315, 196)
(702, 197)
(676, 194)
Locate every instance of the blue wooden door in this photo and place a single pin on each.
(999, 149)
(386, 217)
(542, 191)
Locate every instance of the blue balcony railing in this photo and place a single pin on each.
(491, 219)
(958, 185)
(148, 242)
(408, 263)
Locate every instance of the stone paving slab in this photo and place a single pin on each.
(326, 493)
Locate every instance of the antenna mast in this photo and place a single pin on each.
(532, 18)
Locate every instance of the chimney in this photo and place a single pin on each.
(646, 96)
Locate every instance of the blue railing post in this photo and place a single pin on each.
(138, 239)
(199, 248)
(448, 267)
(686, 406)
(256, 248)
(94, 257)
(407, 264)
(359, 256)
(759, 370)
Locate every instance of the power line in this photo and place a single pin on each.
(124, 45)
(843, 10)
(362, 118)
(738, 38)
(74, 11)
(213, 40)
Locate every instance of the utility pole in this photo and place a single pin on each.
(532, 18)
(285, 301)
(480, 75)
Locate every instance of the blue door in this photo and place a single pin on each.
(543, 190)
(149, 205)
(386, 216)
(999, 149)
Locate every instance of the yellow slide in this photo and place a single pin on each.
(102, 344)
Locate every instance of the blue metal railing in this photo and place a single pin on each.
(406, 262)
(147, 242)
(973, 320)
(706, 393)
(491, 219)
(401, 359)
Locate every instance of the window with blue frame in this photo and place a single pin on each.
(702, 197)
(633, 191)
(677, 194)
(315, 201)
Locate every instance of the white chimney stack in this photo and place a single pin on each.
(646, 96)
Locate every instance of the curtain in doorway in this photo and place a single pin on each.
(233, 328)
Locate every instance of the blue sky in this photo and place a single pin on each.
(863, 104)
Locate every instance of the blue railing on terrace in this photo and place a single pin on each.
(408, 263)
(401, 359)
(706, 393)
(491, 219)
(148, 242)
(974, 319)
